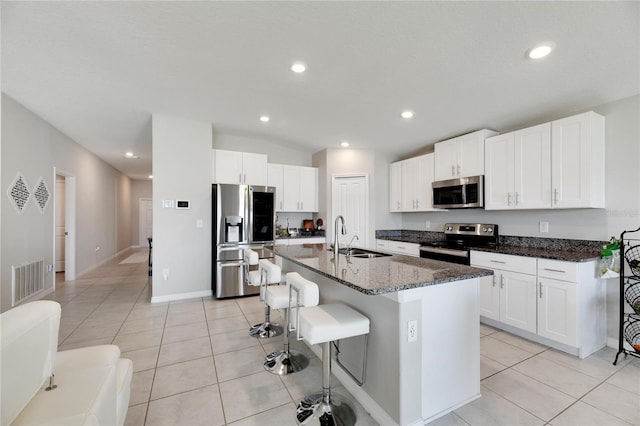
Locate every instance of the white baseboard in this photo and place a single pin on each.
(181, 296)
(102, 262)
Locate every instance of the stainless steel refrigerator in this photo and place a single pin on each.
(243, 216)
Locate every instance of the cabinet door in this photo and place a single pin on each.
(518, 300)
(498, 180)
(227, 167)
(275, 179)
(290, 188)
(445, 160)
(557, 314)
(426, 174)
(532, 171)
(254, 169)
(577, 155)
(308, 192)
(490, 296)
(470, 155)
(395, 187)
(409, 180)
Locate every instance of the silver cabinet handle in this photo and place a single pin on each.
(458, 169)
(494, 280)
(280, 205)
(540, 290)
(508, 198)
(555, 196)
(453, 170)
(554, 270)
(497, 261)
(245, 178)
(516, 198)
(501, 281)
(417, 204)
(240, 177)
(398, 205)
(301, 205)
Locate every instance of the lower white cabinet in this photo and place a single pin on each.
(300, 241)
(508, 296)
(400, 247)
(557, 303)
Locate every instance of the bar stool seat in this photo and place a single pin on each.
(276, 297)
(324, 324)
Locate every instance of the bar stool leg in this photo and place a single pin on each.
(325, 408)
(286, 361)
(266, 329)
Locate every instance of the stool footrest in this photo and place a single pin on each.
(283, 363)
(265, 330)
(312, 410)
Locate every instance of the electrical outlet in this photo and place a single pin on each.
(544, 227)
(412, 331)
(427, 224)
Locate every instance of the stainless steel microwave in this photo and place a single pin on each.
(462, 193)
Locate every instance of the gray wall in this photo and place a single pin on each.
(33, 147)
(278, 152)
(182, 169)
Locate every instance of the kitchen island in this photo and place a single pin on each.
(411, 377)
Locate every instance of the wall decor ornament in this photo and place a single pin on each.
(41, 194)
(19, 193)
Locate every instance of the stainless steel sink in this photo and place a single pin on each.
(364, 254)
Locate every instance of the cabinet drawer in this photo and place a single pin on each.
(410, 249)
(505, 262)
(559, 270)
(382, 244)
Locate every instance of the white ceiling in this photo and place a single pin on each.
(98, 70)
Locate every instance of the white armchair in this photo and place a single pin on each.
(92, 385)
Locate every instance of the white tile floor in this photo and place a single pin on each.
(195, 364)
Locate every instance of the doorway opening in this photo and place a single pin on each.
(64, 246)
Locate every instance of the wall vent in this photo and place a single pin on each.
(27, 280)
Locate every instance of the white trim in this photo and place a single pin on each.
(108, 259)
(370, 234)
(181, 296)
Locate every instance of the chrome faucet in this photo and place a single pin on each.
(336, 243)
(348, 249)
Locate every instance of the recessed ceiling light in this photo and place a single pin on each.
(128, 154)
(344, 144)
(540, 51)
(264, 118)
(298, 67)
(406, 114)
(150, 176)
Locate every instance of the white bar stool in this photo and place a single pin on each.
(324, 324)
(275, 296)
(289, 361)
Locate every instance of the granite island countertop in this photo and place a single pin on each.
(377, 275)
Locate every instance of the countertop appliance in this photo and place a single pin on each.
(459, 239)
(461, 193)
(243, 217)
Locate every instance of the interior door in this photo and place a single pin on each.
(350, 198)
(60, 223)
(145, 214)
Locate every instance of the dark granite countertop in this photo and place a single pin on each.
(289, 237)
(545, 248)
(378, 275)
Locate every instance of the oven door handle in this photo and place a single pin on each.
(452, 252)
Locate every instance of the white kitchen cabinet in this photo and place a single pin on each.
(275, 178)
(461, 156)
(578, 161)
(395, 187)
(400, 247)
(243, 168)
(518, 169)
(510, 296)
(556, 303)
(296, 187)
(410, 184)
(300, 241)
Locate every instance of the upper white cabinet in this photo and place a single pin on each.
(518, 169)
(577, 161)
(553, 165)
(296, 187)
(243, 168)
(395, 187)
(461, 156)
(410, 184)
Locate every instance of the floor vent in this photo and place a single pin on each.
(27, 280)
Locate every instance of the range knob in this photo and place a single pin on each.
(488, 230)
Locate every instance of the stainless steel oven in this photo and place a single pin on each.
(460, 238)
(461, 193)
